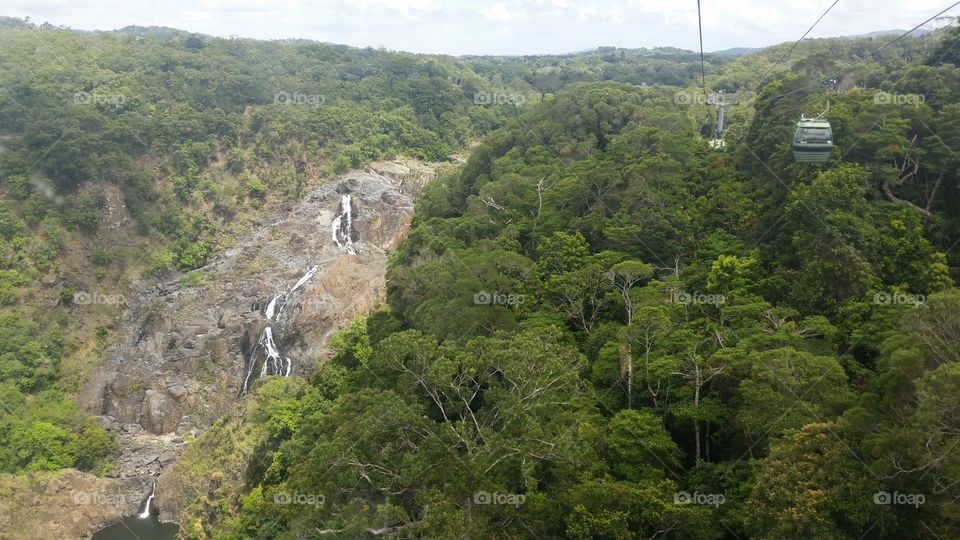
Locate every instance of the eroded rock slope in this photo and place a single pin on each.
(186, 349)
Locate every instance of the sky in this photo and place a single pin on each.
(494, 26)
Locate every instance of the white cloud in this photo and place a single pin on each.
(498, 12)
(398, 6)
(615, 12)
(586, 12)
(519, 26)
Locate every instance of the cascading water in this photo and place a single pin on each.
(146, 509)
(341, 229)
(271, 306)
(272, 361)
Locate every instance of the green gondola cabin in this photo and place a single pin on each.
(813, 141)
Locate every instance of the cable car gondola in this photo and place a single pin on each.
(813, 141)
(721, 99)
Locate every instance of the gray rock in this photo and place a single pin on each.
(179, 360)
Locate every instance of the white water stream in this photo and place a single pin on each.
(341, 231)
(146, 509)
(273, 362)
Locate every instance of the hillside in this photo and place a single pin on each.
(602, 328)
(592, 324)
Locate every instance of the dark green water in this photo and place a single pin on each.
(134, 528)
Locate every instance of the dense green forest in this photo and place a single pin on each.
(602, 328)
(191, 130)
(598, 327)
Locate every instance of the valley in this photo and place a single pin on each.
(191, 351)
(283, 289)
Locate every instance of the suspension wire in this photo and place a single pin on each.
(794, 46)
(703, 72)
(863, 58)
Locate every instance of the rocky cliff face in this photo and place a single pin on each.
(186, 349)
(66, 504)
(182, 352)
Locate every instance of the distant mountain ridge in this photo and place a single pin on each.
(737, 51)
(166, 32)
(880, 33)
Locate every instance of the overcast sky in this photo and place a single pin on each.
(493, 26)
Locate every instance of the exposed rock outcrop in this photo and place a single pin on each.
(66, 504)
(183, 350)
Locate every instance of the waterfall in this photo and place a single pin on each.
(341, 231)
(306, 277)
(272, 306)
(250, 362)
(348, 211)
(146, 509)
(335, 230)
(270, 346)
(272, 361)
(283, 296)
(342, 226)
